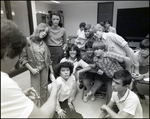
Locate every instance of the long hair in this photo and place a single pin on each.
(37, 31)
(12, 38)
(73, 46)
(57, 13)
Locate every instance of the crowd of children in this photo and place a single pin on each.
(107, 59)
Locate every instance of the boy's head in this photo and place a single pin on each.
(144, 47)
(121, 79)
(82, 25)
(89, 49)
(98, 47)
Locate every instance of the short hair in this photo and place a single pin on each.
(107, 21)
(89, 44)
(124, 75)
(87, 27)
(82, 24)
(57, 13)
(98, 45)
(75, 47)
(12, 37)
(97, 27)
(63, 65)
(144, 44)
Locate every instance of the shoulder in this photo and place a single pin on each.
(63, 29)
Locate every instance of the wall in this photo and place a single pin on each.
(76, 13)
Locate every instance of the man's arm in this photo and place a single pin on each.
(48, 108)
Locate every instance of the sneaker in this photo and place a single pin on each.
(87, 97)
(93, 97)
(81, 85)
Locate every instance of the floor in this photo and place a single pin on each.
(89, 109)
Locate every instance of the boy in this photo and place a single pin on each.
(108, 63)
(126, 100)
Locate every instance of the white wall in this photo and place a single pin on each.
(76, 13)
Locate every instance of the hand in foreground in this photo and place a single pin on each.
(62, 114)
(31, 93)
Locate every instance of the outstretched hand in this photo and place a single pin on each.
(31, 93)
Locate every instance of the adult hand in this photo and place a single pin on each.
(62, 114)
(35, 71)
(56, 86)
(31, 93)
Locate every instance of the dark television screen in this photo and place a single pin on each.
(133, 22)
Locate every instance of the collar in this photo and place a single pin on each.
(104, 36)
(125, 96)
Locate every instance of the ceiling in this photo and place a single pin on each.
(70, 2)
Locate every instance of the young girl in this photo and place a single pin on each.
(73, 55)
(37, 58)
(65, 107)
(56, 40)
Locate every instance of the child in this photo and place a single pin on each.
(108, 27)
(65, 107)
(81, 39)
(37, 58)
(73, 55)
(126, 100)
(141, 65)
(91, 79)
(108, 63)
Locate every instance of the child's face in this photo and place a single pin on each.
(144, 52)
(117, 85)
(99, 34)
(82, 28)
(65, 73)
(87, 33)
(43, 33)
(72, 53)
(89, 51)
(98, 52)
(55, 20)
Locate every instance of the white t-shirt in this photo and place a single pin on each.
(14, 104)
(129, 103)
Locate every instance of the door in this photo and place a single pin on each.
(105, 12)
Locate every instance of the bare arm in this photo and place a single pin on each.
(104, 112)
(47, 110)
(127, 50)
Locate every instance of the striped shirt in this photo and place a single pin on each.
(109, 63)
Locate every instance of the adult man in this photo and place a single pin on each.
(126, 100)
(15, 103)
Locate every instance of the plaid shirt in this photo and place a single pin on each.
(109, 63)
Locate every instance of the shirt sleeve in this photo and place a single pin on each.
(83, 64)
(115, 56)
(119, 40)
(14, 103)
(131, 106)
